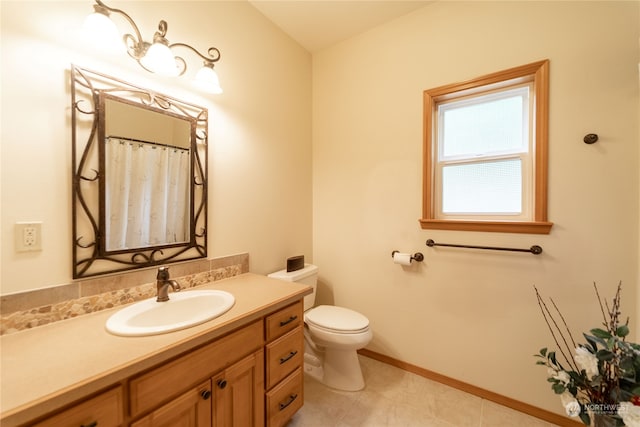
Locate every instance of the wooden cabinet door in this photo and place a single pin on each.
(190, 409)
(239, 393)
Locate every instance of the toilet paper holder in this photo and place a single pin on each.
(415, 257)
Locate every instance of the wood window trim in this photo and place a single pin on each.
(540, 224)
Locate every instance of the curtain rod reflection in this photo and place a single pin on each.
(124, 138)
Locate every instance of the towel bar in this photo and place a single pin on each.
(535, 249)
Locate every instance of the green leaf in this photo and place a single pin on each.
(575, 376)
(622, 331)
(600, 333)
(605, 355)
(591, 342)
(558, 388)
(626, 364)
(584, 417)
(543, 351)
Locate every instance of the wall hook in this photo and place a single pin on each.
(590, 138)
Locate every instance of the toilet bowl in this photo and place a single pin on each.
(332, 336)
(338, 333)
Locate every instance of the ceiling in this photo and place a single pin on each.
(317, 24)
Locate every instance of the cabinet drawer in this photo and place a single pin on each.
(283, 321)
(169, 379)
(104, 410)
(284, 355)
(285, 399)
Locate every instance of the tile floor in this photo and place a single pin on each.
(396, 398)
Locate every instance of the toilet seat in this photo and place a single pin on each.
(338, 320)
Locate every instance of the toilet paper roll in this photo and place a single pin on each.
(401, 258)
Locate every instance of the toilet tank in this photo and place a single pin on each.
(307, 276)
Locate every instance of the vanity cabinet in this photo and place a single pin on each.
(250, 377)
(233, 398)
(284, 355)
(233, 374)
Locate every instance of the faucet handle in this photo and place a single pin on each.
(163, 273)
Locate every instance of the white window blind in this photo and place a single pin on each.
(483, 161)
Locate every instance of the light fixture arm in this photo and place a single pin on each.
(137, 47)
(213, 53)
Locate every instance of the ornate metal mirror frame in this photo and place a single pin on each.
(91, 257)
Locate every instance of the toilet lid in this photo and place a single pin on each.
(336, 318)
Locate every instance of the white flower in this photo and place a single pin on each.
(587, 361)
(630, 414)
(571, 405)
(562, 376)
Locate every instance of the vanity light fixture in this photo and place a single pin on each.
(156, 57)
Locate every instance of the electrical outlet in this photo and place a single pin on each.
(28, 236)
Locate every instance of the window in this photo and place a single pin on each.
(485, 153)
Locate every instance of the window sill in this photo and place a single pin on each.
(490, 226)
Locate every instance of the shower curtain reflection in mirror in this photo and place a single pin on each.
(146, 194)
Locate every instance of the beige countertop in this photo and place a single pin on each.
(48, 367)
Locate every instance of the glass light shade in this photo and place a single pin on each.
(207, 79)
(102, 33)
(160, 60)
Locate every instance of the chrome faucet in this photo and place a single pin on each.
(163, 283)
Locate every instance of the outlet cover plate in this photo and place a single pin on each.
(28, 236)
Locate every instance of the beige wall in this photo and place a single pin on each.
(472, 315)
(260, 128)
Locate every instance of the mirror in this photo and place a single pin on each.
(139, 176)
(146, 175)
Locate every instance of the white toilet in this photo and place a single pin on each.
(332, 336)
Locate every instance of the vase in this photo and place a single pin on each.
(603, 420)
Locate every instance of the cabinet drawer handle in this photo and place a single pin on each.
(206, 394)
(93, 424)
(222, 383)
(289, 320)
(289, 401)
(287, 357)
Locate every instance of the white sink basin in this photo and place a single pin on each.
(183, 310)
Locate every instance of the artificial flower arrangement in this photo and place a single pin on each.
(600, 384)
